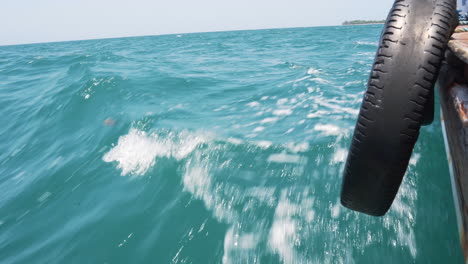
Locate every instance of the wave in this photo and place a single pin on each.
(235, 179)
(367, 43)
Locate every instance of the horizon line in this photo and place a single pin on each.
(164, 34)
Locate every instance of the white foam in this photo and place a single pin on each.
(281, 239)
(367, 43)
(197, 181)
(263, 144)
(285, 158)
(264, 194)
(253, 104)
(269, 120)
(316, 114)
(407, 237)
(328, 129)
(283, 230)
(414, 159)
(137, 151)
(259, 129)
(339, 155)
(298, 147)
(228, 244)
(295, 222)
(251, 135)
(352, 83)
(235, 141)
(220, 199)
(310, 216)
(185, 145)
(335, 210)
(312, 71)
(282, 112)
(233, 240)
(247, 241)
(336, 106)
(282, 101)
(221, 108)
(320, 80)
(298, 80)
(175, 107)
(401, 217)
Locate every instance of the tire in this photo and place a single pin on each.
(412, 47)
(429, 110)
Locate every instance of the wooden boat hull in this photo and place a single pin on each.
(453, 91)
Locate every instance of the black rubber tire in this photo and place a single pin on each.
(406, 66)
(429, 109)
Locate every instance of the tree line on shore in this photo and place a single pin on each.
(362, 22)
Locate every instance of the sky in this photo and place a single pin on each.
(35, 21)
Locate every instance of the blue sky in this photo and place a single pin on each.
(32, 21)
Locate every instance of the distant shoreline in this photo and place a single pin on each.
(363, 22)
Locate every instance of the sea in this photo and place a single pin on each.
(223, 147)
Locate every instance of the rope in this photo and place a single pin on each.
(463, 29)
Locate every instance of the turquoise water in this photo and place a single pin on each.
(203, 148)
